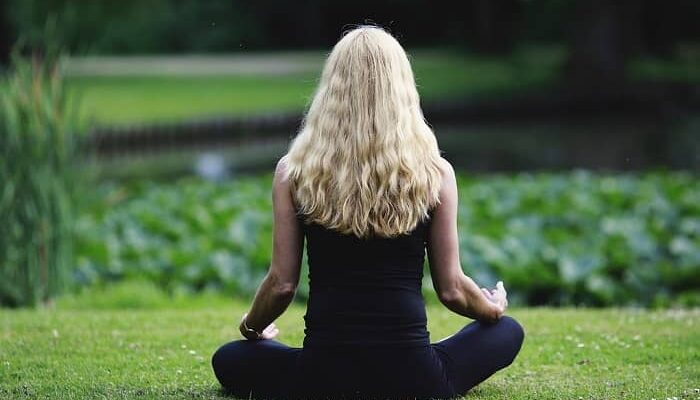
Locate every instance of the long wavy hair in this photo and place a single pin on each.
(365, 161)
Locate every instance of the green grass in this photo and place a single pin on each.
(439, 75)
(683, 66)
(164, 353)
(146, 98)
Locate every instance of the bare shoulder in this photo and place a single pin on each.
(281, 170)
(448, 174)
(282, 164)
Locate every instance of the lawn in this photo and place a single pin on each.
(118, 90)
(125, 99)
(165, 352)
(141, 94)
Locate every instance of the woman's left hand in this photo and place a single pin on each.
(268, 333)
(497, 296)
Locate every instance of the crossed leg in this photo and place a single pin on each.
(263, 369)
(259, 369)
(478, 350)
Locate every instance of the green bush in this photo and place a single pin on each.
(136, 295)
(582, 238)
(564, 238)
(38, 127)
(189, 236)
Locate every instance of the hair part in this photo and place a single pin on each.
(365, 161)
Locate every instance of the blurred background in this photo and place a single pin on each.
(138, 140)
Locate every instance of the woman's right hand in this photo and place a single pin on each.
(498, 297)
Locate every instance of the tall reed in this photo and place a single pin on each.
(39, 132)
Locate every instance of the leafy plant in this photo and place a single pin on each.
(583, 238)
(554, 238)
(191, 236)
(38, 140)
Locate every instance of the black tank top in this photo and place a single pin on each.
(365, 292)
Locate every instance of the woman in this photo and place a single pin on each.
(365, 184)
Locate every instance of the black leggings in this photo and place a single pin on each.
(445, 369)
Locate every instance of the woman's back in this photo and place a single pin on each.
(365, 292)
(366, 332)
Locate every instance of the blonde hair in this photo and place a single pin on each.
(365, 161)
